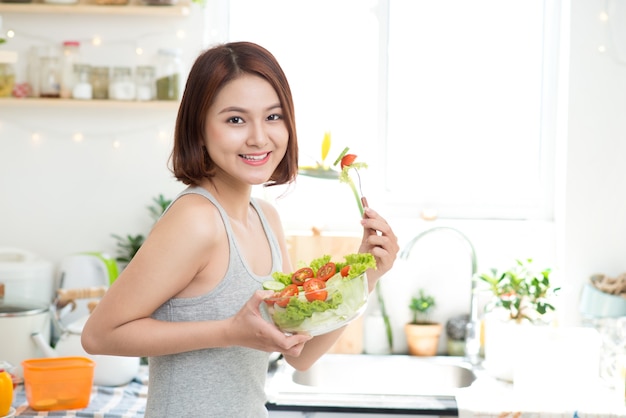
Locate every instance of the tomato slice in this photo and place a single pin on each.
(285, 295)
(347, 160)
(314, 290)
(327, 271)
(301, 275)
(345, 270)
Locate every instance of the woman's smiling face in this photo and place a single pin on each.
(246, 136)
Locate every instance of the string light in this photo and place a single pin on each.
(35, 137)
(612, 41)
(78, 137)
(95, 40)
(98, 41)
(163, 136)
(604, 16)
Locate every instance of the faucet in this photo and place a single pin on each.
(472, 334)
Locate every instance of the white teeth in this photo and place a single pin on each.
(254, 157)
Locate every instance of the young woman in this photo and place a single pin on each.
(189, 300)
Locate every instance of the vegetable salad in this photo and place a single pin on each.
(319, 297)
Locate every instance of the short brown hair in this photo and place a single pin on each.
(212, 70)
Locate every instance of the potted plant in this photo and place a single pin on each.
(127, 247)
(521, 299)
(520, 293)
(422, 334)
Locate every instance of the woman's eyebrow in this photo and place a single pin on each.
(242, 110)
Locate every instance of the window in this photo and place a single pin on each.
(451, 102)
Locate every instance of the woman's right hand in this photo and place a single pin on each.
(249, 329)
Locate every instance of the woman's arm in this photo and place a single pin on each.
(185, 255)
(378, 239)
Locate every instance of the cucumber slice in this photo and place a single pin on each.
(273, 285)
(344, 152)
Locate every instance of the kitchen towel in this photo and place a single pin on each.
(128, 401)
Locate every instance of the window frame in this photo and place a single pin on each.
(406, 205)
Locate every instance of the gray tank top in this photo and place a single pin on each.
(214, 382)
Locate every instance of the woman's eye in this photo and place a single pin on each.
(235, 119)
(274, 117)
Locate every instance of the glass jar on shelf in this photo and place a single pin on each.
(82, 88)
(169, 74)
(122, 85)
(145, 82)
(100, 82)
(70, 56)
(7, 72)
(49, 72)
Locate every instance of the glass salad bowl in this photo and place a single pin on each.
(313, 309)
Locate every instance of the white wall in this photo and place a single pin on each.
(58, 197)
(593, 217)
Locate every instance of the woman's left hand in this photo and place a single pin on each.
(379, 240)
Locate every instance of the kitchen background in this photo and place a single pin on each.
(72, 174)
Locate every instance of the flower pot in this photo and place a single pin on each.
(505, 343)
(502, 342)
(423, 339)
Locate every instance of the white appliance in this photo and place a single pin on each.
(25, 277)
(84, 270)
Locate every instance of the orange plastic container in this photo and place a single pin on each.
(58, 383)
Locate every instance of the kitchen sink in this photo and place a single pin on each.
(393, 375)
(374, 381)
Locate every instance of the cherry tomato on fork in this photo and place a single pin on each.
(314, 290)
(347, 160)
(327, 271)
(300, 275)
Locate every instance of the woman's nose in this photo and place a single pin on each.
(258, 135)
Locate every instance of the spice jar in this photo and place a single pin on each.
(169, 74)
(69, 57)
(7, 72)
(49, 73)
(100, 82)
(145, 82)
(122, 85)
(82, 87)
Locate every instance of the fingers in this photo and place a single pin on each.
(278, 341)
(288, 344)
(294, 344)
(259, 295)
(379, 240)
(376, 226)
(374, 222)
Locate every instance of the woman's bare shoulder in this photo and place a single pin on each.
(191, 220)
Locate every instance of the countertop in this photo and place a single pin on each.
(485, 398)
(548, 396)
(491, 398)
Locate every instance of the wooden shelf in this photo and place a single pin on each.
(94, 104)
(135, 8)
